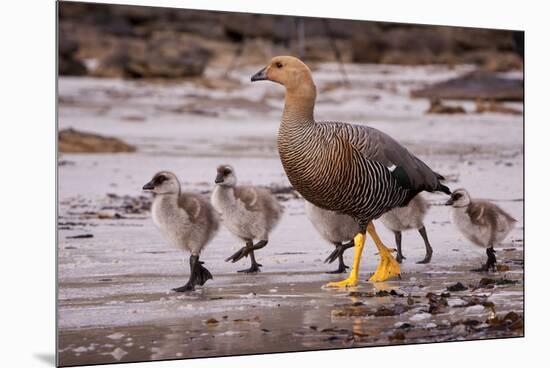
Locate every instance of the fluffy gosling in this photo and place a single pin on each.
(481, 222)
(187, 221)
(248, 212)
(337, 229)
(408, 218)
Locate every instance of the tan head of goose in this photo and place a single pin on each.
(351, 169)
(186, 220)
(248, 212)
(481, 222)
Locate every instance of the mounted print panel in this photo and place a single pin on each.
(234, 183)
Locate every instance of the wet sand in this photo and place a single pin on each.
(114, 299)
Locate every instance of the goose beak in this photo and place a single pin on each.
(449, 202)
(260, 75)
(149, 186)
(219, 178)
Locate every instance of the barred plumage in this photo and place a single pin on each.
(329, 170)
(351, 169)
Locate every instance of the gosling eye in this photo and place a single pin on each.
(457, 196)
(226, 171)
(278, 64)
(160, 179)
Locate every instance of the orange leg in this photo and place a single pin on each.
(388, 266)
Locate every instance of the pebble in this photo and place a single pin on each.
(420, 317)
(456, 302)
(474, 309)
(459, 330)
(115, 336)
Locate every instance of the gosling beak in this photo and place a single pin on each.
(260, 75)
(219, 178)
(149, 186)
(449, 202)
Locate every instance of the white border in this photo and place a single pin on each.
(28, 164)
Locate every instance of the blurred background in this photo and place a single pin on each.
(143, 42)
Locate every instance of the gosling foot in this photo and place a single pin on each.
(241, 253)
(427, 259)
(341, 269)
(252, 269)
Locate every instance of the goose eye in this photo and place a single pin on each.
(457, 196)
(227, 172)
(160, 179)
(278, 64)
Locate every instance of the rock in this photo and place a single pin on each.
(397, 335)
(457, 302)
(361, 310)
(420, 317)
(493, 107)
(73, 141)
(108, 214)
(413, 45)
(118, 353)
(211, 321)
(68, 64)
(488, 283)
(437, 107)
(458, 330)
(128, 204)
(81, 236)
(403, 325)
(475, 86)
(502, 268)
(510, 321)
(457, 287)
(165, 55)
(474, 309)
(438, 303)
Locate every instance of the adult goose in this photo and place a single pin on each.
(351, 169)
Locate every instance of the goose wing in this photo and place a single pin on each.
(406, 168)
(249, 197)
(191, 205)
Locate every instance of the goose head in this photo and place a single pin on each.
(163, 182)
(225, 176)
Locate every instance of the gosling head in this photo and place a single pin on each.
(459, 198)
(289, 71)
(164, 182)
(225, 176)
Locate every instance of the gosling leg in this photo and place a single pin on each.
(491, 261)
(400, 257)
(244, 251)
(429, 251)
(198, 275)
(254, 267)
(338, 252)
